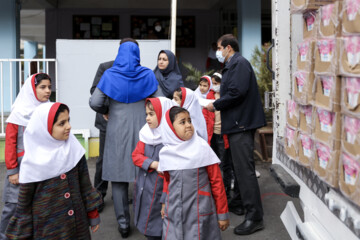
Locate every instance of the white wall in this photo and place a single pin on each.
(78, 61)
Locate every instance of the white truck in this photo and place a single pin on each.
(327, 214)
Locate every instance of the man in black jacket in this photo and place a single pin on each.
(100, 123)
(241, 114)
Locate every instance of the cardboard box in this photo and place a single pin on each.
(327, 93)
(329, 21)
(305, 56)
(327, 125)
(349, 63)
(350, 102)
(350, 137)
(349, 177)
(305, 149)
(310, 25)
(303, 87)
(306, 118)
(350, 17)
(326, 161)
(303, 5)
(291, 135)
(326, 56)
(292, 113)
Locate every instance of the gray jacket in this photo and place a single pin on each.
(100, 122)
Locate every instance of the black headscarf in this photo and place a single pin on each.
(169, 78)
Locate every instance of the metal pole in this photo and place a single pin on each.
(2, 98)
(173, 25)
(11, 84)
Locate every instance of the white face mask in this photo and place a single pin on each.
(216, 88)
(175, 103)
(220, 57)
(158, 28)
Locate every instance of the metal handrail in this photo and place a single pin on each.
(21, 75)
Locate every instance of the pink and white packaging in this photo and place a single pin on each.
(326, 120)
(351, 91)
(305, 118)
(326, 13)
(304, 50)
(327, 84)
(351, 169)
(352, 8)
(324, 153)
(352, 129)
(292, 113)
(326, 49)
(306, 143)
(290, 136)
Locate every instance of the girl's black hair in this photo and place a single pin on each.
(61, 109)
(41, 76)
(174, 111)
(149, 105)
(217, 79)
(179, 91)
(203, 80)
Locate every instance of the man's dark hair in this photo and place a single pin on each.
(229, 39)
(124, 40)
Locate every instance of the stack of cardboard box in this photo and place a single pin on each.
(326, 89)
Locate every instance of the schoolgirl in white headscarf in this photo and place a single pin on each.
(149, 184)
(192, 182)
(35, 91)
(187, 99)
(207, 80)
(56, 198)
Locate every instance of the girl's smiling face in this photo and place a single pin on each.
(183, 126)
(43, 90)
(151, 118)
(61, 128)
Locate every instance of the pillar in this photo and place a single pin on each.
(9, 46)
(249, 26)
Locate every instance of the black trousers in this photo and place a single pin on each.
(217, 144)
(100, 184)
(242, 152)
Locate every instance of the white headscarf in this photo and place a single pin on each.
(153, 136)
(190, 102)
(46, 157)
(25, 103)
(178, 154)
(197, 90)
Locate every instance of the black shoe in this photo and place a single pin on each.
(248, 227)
(237, 210)
(101, 207)
(125, 232)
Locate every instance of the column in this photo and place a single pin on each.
(9, 47)
(249, 26)
(30, 51)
